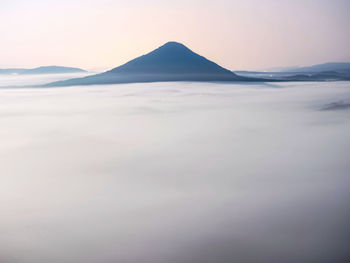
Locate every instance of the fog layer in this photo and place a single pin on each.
(175, 173)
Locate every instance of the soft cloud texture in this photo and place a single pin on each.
(175, 173)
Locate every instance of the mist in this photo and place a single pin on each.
(175, 173)
(15, 80)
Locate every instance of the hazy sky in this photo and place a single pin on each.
(238, 34)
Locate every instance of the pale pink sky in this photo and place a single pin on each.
(237, 34)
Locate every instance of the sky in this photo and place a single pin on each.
(237, 34)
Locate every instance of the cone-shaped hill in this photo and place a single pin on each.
(172, 58)
(170, 62)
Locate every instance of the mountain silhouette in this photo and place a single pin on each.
(9, 71)
(52, 70)
(172, 58)
(170, 62)
(42, 70)
(340, 67)
(332, 71)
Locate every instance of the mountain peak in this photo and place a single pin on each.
(172, 61)
(173, 44)
(172, 58)
(171, 50)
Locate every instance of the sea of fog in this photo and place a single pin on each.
(175, 173)
(15, 80)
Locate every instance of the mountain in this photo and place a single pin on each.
(319, 76)
(295, 76)
(339, 67)
(332, 71)
(170, 62)
(12, 71)
(321, 72)
(42, 70)
(52, 70)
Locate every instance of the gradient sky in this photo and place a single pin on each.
(237, 34)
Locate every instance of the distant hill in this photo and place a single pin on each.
(319, 76)
(12, 70)
(42, 70)
(52, 70)
(340, 67)
(170, 62)
(322, 72)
